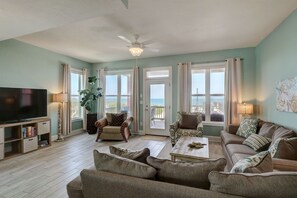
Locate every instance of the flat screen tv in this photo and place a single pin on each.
(18, 104)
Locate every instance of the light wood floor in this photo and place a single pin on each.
(45, 173)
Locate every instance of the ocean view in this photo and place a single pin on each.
(160, 102)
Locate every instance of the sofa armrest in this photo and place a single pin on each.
(174, 126)
(101, 123)
(284, 164)
(125, 127)
(127, 122)
(232, 128)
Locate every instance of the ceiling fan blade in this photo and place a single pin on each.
(125, 39)
(148, 42)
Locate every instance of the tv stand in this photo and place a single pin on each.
(24, 136)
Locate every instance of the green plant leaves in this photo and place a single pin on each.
(90, 94)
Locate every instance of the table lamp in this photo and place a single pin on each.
(245, 109)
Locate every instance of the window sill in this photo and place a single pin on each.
(213, 123)
(76, 119)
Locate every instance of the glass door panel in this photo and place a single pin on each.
(157, 106)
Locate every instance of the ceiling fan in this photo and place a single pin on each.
(136, 48)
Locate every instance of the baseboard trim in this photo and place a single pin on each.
(75, 132)
(216, 139)
(54, 137)
(140, 132)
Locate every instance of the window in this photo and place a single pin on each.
(118, 92)
(76, 85)
(208, 83)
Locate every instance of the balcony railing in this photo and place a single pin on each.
(157, 116)
(157, 112)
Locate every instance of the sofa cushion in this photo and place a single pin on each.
(139, 156)
(282, 132)
(186, 173)
(257, 142)
(239, 148)
(117, 119)
(229, 138)
(116, 164)
(247, 127)
(189, 120)
(259, 163)
(112, 129)
(265, 185)
(268, 129)
(238, 156)
(284, 148)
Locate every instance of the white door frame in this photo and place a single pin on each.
(168, 80)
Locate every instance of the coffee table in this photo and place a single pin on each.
(182, 151)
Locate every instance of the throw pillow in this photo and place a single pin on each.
(259, 163)
(117, 119)
(108, 116)
(116, 164)
(247, 127)
(186, 173)
(284, 148)
(257, 142)
(265, 185)
(189, 120)
(268, 129)
(139, 156)
(282, 132)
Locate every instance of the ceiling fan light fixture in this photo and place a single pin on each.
(136, 51)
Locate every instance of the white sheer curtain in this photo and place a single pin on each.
(66, 128)
(100, 105)
(233, 86)
(184, 86)
(135, 98)
(85, 84)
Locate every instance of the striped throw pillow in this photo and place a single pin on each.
(257, 142)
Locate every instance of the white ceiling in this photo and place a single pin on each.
(88, 29)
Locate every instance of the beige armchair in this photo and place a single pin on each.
(107, 129)
(188, 124)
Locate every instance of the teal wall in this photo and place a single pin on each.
(276, 60)
(26, 66)
(249, 63)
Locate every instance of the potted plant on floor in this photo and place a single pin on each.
(89, 98)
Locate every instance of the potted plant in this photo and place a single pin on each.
(89, 98)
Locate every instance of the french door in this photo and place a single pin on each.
(157, 102)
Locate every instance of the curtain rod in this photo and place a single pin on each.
(216, 61)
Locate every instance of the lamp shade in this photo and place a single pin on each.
(245, 108)
(135, 51)
(61, 97)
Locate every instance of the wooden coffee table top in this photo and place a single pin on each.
(182, 151)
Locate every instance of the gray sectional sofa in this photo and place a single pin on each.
(109, 183)
(234, 149)
(101, 184)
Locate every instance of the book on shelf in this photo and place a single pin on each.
(29, 131)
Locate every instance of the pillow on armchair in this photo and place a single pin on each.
(189, 120)
(109, 116)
